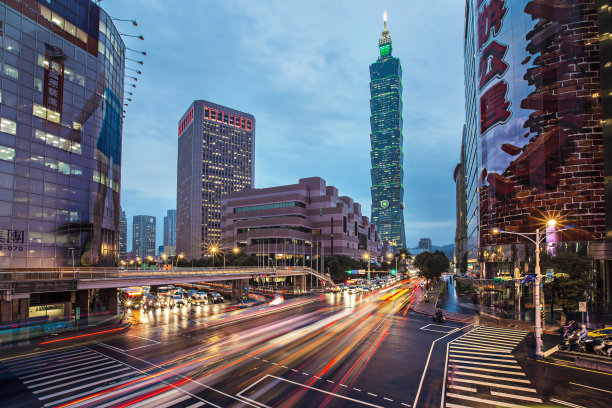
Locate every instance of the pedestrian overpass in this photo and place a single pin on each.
(17, 285)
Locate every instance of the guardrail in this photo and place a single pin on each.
(81, 274)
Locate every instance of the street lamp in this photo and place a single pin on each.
(366, 256)
(73, 270)
(214, 250)
(536, 290)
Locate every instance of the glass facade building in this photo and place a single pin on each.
(216, 156)
(537, 81)
(387, 155)
(122, 235)
(170, 229)
(143, 236)
(62, 73)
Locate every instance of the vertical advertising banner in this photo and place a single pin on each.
(537, 82)
(54, 79)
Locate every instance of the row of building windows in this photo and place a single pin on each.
(288, 227)
(232, 120)
(269, 206)
(102, 178)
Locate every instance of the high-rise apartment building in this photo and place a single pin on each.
(143, 236)
(60, 134)
(216, 156)
(170, 229)
(122, 235)
(537, 140)
(387, 140)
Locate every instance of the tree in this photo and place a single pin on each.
(568, 290)
(430, 264)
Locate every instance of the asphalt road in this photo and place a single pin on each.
(330, 350)
(333, 350)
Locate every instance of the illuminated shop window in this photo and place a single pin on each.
(8, 126)
(11, 71)
(7, 153)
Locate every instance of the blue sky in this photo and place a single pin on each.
(301, 68)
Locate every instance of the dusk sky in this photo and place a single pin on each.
(302, 69)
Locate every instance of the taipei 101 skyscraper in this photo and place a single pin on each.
(387, 141)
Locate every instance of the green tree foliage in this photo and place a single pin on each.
(430, 264)
(339, 265)
(565, 291)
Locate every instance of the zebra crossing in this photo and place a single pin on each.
(482, 371)
(85, 377)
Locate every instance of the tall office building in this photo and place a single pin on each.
(170, 229)
(60, 134)
(216, 156)
(425, 243)
(387, 155)
(122, 235)
(143, 236)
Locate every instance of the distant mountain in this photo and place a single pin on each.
(448, 250)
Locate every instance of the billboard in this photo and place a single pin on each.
(539, 112)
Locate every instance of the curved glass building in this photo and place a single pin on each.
(63, 65)
(387, 155)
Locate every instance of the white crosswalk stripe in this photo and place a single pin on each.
(82, 373)
(483, 372)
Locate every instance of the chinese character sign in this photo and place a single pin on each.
(54, 82)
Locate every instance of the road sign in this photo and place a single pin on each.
(582, 307)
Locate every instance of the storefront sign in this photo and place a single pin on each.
(50, 311)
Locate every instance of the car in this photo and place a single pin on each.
(604, 331)
(215, 297)
(151, 302)
(199, 298)
(178, 301)
(351, 289)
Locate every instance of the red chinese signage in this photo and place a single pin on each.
(493, 103)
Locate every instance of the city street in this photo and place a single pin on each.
(321, 350)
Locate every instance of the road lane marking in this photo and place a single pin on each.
(80, 371)
(479, 351)
(293, 369)
(516, 396)
(490, 370)
(46, 397)
(460, 372)
(305, 373)
(325, 392)
(196, 405)
(155, 398)
(388, 399)
(44, 356)
(273, 363)
(316, 377)
(462, 388)
(509, 359)
(330, 381)
(342, 385)
(20, 371)
(174, 401)
(80, 380)
(406, 405)
(566, 403)
(516, 367)
(357, 389)
(374, 395)
(95, 390)
(490, 384)
(429, 357)
(284, 366)
(449, 405)
(257, 358)
(485, 401)
(62, 367)
(593, 388)
(46, 360)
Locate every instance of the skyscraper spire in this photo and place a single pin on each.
(384, 43)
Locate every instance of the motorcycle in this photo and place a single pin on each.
(439, 318)
(572, 343)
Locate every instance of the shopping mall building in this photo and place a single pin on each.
(538, 134)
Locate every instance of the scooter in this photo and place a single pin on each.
(605, 348)
(439, 318)
(572, 343)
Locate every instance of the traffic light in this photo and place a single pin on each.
(393, 271)
(349, 272)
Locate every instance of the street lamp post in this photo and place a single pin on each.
(366, 256)
(536, 290)
(73, 270)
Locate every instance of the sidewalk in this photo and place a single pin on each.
(429, 308)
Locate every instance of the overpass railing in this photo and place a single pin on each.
(114, 273)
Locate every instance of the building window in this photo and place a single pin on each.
(8, 126)
(11, 71)
(7, 153)
(45, 113)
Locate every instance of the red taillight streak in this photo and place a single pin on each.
(82, 335)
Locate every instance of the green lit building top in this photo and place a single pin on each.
(387, 140)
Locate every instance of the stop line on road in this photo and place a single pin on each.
(483, 371)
